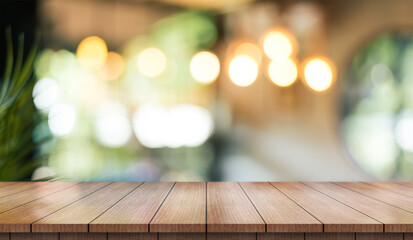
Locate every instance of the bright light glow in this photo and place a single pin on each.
(380, 72)
(204, 67)
(149, 125)
(113, 67)
(243, 70)
(404, 131)
(92, 52)
(112, 126)
(42, 173)
(62, 119)
(151, 62)
(249, 49)
(278, 44)
(157, 126)
(370, 139)
(46, 92)
(318, 74)
(283, 73)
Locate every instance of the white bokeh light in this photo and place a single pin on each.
(46, 92)
(62, 119)
(148, 124)
(112, 126)
(157, 126)
(404, 131)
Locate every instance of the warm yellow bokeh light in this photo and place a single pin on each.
(92, 52)
(283, 73)
(151, 62)
(318, 74)
(204, 67)
(249, 49)
(279, 45)
(113, 67)
(243, 70)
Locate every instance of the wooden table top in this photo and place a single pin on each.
(206, 207)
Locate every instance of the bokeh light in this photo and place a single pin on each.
(404, 131)
(114, 66)
(283, 73)
(204, 67)
(112, 126)
(46, 92)
(62, 119)
(92, 52)
(151, 62)
(243, 70)
(157, 126)
(249, 49)
(279, 44)
(318, 74)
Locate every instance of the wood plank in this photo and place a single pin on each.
(182, 236)
(4, 236)
(330, 236)
(278, 211)
(3, 184)
(335, 216)
(132, 236)
(83, 236)
(394, 219)
(380, 194)
(280, 236)
(231, 236)
(19, 187)
(184, 210)
(379, 236)
(77, 216)
(18, 199)
(34, 236)
(20, 218)
(135, 211)
(230, 210)
(408, 236)
(394, 187)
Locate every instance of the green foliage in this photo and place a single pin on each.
(18, 116)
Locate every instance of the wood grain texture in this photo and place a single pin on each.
(34, 236)
(3, 184)
(392, 198)
(183, 209)
(132, 236)
(181, 236)
(231, 236)
(278, 211)
(135, 211)
(4, 236)
(18, 199)
(394, 187)
(77, 216)
(379, 236)
(394, 219)
(330, 236)
(230, 210)
(83, 236)
(19, 187)
(335, 216)
(20, 218)
(280, 236)
(408, 236)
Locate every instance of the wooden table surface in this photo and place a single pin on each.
(194, 210)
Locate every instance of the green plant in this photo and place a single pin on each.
(18, 115)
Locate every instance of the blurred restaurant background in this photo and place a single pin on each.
(216, 90)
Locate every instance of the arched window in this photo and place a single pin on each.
(378, 107)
